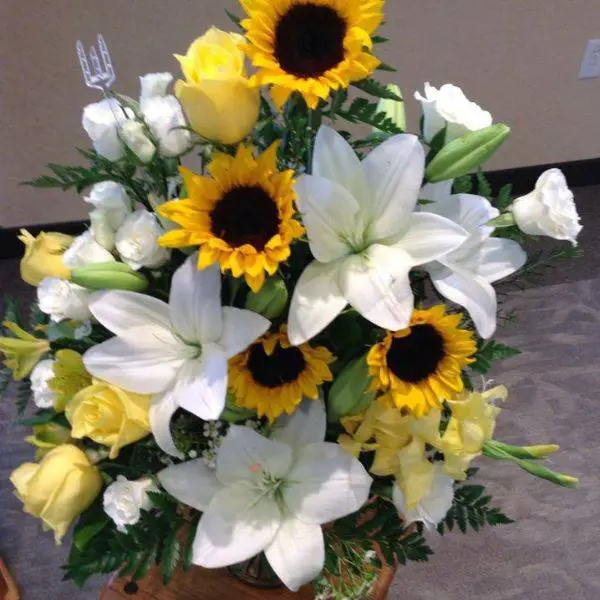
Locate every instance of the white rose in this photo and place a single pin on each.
(111, 207)
(134, 135)
(163, 114)
(85, 250)
(449, 107)
(123, 500)
(62, 299)
(549, 210)
(101, 122)
(137, 241)
(43, 372)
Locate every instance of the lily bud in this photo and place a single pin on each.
(393, 109)
(538, 470)
(524, 452)
(350, 393)
(464, 154)
(270, 300)
(109, 276)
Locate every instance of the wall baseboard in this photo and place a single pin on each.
(579, 173)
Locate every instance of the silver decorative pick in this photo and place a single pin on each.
(101, 75)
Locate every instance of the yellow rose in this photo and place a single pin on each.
(109, 415)
(216, 95)
(23, 351)
(44, 256)
(58, 489)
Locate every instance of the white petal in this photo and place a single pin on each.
(496, 258)
(325, 483)
(316, 302)
(305, 426)
(195, 302)
(191, 482)
(297, 554)
(437, 192)
(376, 284)
(394, 173)
(329, 214)
(334, 159)
(430, 237)
(470, 291)
(161, 412)
(235, 527)
(240, 329)
(245, 455)
(202, 384)
(141, 362)
(121, 311)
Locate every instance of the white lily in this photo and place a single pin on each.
(465, 276)
(271, 495)
(179, 350)
(364, 234)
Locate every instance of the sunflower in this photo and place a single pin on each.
(420, 366)
(241, 217)
(272, 376)
(310, 46)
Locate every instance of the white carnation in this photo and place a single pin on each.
(137, 241)
(154, 84)
(134, 135)
(111, 207)
(101, 122)
(123, 500)
(549, 209)
(43, 372)
(85, 250)
(449, 107)
(62, 299)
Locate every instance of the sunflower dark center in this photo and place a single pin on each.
(309, 40)
(283, 366)
(245, 215)
(416, 356)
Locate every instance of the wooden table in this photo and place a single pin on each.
(215, 584)
(8, 587)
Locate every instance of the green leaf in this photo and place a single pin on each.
(84, 533)
(490, 352)
(463, 185)
(483, 185)
(188, 547)
(169, 557)
(42, 417)
(387, 68)
(376, 89)
(363, 111)
(11, 310)
(234, 19)
(504, 199)
(379, 39)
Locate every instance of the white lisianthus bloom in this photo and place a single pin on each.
(549, 210)
(163, 114)
(271, 495)
(62, 299)
(85, 250)
(449, 107)
(178, 350)
(137, 241)
(133, 133)
(111, 207)
(465, 275)
(102, 121)
(124, 500)
(43, 372)
(364, 234)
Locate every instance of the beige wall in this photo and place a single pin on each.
(519, 58)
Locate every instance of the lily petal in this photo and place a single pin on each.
(470, 291)
(240, 329)
(316, 302)
(430, 237)
(195, 302)
(161, 412)
(246, 455)
(376, 284)
(329, 214)
(121, 311)
(496, 258)
(437, 192)
(201, 385)
(305, 426)
(236, 526)
(334, 159)
(145, 361)
(191, 482)
(325, 483)
(394, 173)
(297, 554)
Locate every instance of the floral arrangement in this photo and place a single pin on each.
(280, 347)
